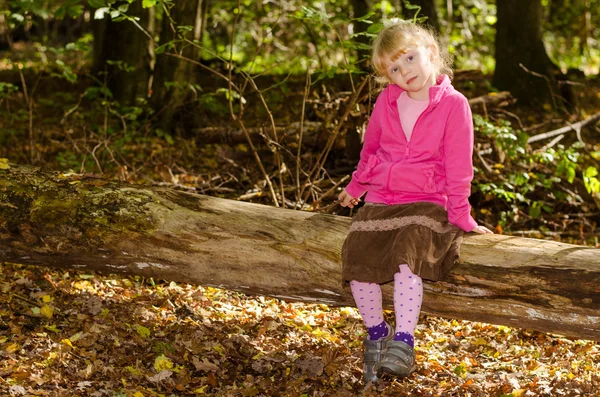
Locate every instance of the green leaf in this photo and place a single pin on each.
(142, 331)
(101, 12)
(375, 28)
(149, 3)
(365, 18)
(97, 3)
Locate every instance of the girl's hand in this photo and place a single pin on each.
(482, 230)
(346, 200)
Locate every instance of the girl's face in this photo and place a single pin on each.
(414, 72)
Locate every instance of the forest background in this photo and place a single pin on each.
(266, 101)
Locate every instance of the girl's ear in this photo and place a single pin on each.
(433, 52)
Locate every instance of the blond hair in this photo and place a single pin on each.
(400, 36)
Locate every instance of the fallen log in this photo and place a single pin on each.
(72, 221)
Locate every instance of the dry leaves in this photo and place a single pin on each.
(64, 334)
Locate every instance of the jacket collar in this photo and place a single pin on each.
(436, 92)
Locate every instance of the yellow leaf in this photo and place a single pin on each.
(46, 298)
(133, 370)
(12, 348)
(83, 285)
(66, 342)
(47, 311)
(518, 392)
(4, 164)
(3, 339)
(138, 394)
(219, 349)
(480, 342)
(142, 331)
(201, 390)
(161, 362)
(570, 375)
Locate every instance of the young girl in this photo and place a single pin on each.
(416, 168)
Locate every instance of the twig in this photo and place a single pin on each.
(551, 143)
(511, 115)
(238, 118)
(204, 67)
(301, 134)
(571, 127)
(29, 102)
(486, 166)
(555, 106)
(325, 152)
(331, 190)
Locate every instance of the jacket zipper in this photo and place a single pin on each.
(407, 152)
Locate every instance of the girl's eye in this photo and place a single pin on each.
(394, 70)
(410, 58)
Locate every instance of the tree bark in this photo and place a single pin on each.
(124, 42)
(524, 46)
(70, 221)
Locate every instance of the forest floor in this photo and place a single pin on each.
(76, 334)
(73, 334)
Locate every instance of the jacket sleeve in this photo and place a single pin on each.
(458, 164)
(359, 183)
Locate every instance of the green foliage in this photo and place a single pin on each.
(571, 35)
(531, 180)
(7, 90)
(471, 36)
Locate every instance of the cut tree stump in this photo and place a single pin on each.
(71, 221)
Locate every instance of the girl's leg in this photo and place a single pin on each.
(408, 297)
(369, 303)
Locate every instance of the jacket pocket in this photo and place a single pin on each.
(364, 176)
(429, 173)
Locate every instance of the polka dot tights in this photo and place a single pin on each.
(408, 297)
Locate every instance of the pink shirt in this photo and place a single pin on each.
(435, 165)
(410, 110)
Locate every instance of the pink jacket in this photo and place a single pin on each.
(436, 165)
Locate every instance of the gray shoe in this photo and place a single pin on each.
(374, 352)
(398, 360)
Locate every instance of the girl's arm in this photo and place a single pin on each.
(356, 188)
(458, 162)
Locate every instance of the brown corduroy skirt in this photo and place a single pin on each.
(382, 237)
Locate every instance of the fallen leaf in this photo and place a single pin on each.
(162, 363)
(47, 311)
(159, 377)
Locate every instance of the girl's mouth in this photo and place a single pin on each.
(411, 80)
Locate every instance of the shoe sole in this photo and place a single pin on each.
(397, 371)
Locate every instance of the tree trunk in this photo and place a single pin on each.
(67, 221)
(524, 46)
(126, 44)
(173, 77)
(360, 8)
